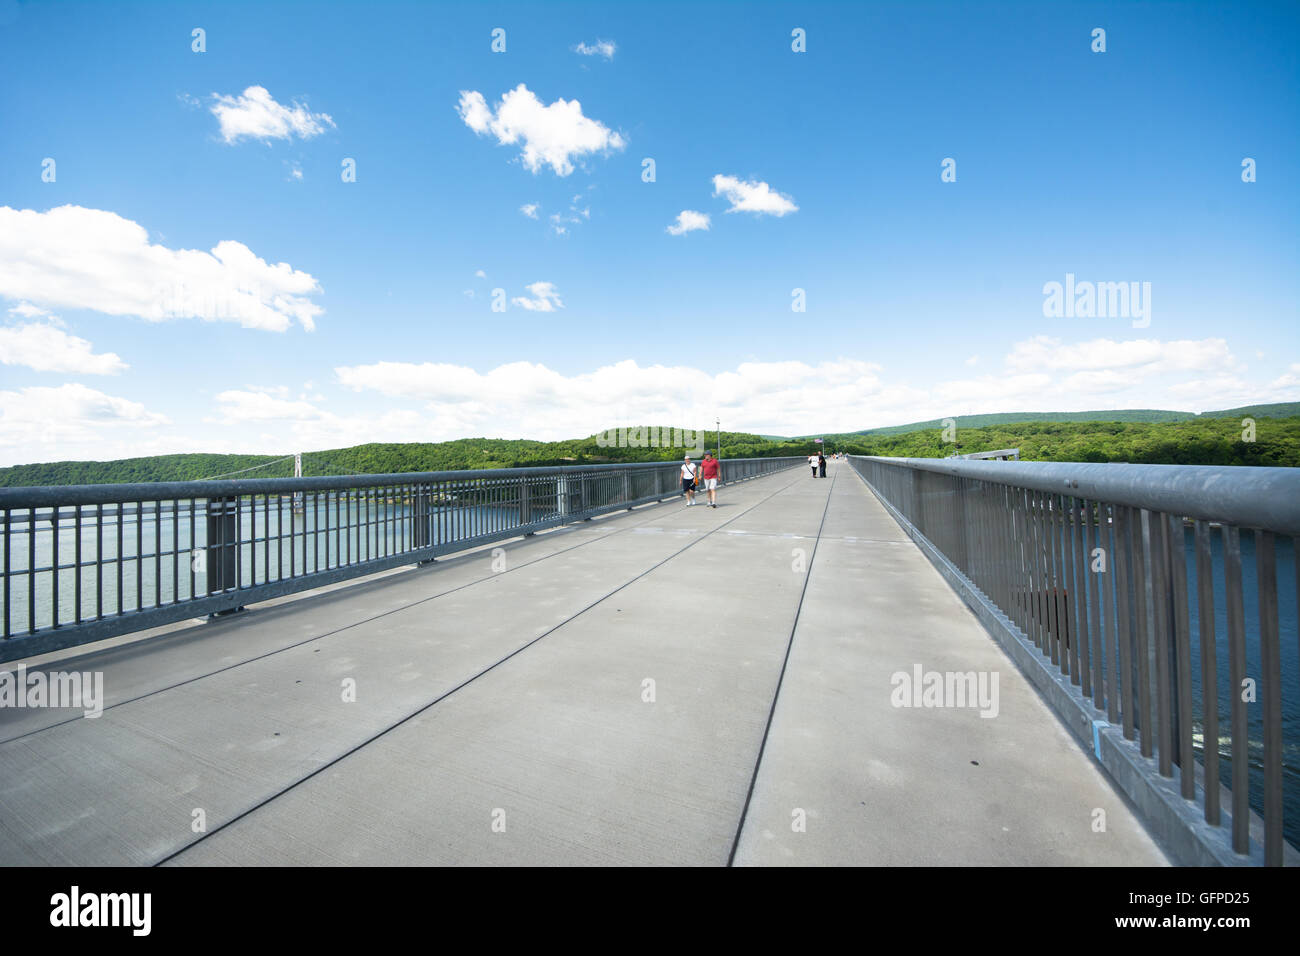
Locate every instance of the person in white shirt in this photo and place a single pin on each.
(812, 460)
(688, 480)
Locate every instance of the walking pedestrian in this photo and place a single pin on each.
(709, 472)
(688, 481)
(821, 464)
(812, 460)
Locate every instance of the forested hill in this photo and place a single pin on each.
(1275, 410)
(382, 459)
(1204, 440)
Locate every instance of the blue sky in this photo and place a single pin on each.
(923, 298)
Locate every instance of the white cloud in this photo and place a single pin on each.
(77, 258)
(545, 298)
(44, 347)
(43, 424)
(27, 310)
(973, 360)
(605, 48)
(523, 399)
(254, 114)
(791, 397)
(688, 220)
(1045, 352)
(1288, 379)
(752, 197)
(552, 135)
(529, 210)
(481, 274)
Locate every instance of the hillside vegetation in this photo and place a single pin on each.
(1203, 441)
(1275, 410)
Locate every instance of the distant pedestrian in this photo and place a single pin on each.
(821, 464)
(688, 480)
(709, 474)
(812, 461)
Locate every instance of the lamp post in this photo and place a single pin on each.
(718, 422)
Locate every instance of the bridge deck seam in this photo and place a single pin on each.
(442, 697)
(776, 692)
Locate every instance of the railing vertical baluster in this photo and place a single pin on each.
(1124, 628)
(157, 553)
(99, 563)
(1110, 633)
(194, 548)
(54, 565)
(239, 541)
(31, 570)
(1096, 635)
(280, 537)
(9, 570)
(176, 550)
(77, 559)
(1270, 652)
(266, 537)
(1182, 653)
(139, 555)
(1080, 650)
(1142, 628)
(1057, 551)
(252, 538)
(1209, 677)
(119, 557)
(1034, 583)
(1237, 679)
(1162, 642)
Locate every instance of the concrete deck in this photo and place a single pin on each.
(501, 716)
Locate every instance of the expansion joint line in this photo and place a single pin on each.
(465, 683)
(776, 694)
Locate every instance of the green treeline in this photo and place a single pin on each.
(1201, 441)
(1212, 441)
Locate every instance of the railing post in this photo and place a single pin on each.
(223, 544)
(525, 515)
(420, 519)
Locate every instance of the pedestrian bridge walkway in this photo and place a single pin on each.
(669, 685)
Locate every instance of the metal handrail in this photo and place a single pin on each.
(1266, 498)
(1109, 570)
(76, 563)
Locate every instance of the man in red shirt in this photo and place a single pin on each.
(709, 475)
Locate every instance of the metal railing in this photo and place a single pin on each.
(1143, 583)
(81, 563)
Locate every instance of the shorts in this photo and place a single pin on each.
(710, 483)
(688, 484)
